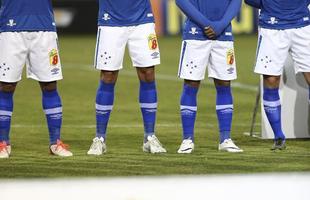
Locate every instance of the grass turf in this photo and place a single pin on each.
(29, 135)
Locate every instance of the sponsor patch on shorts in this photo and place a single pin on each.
(230, 57)
(54, 58)
(153, 44)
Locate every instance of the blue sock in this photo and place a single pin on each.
(6, 109)
(224, 111)
(104, 106)
(272, 106)
(188, 110)
(53, 111)
(148, 105)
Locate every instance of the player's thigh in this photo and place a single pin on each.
(143, 46)
(43, 63)
(110, 47)
(222, 61)
(13, 53)
(272, 51)
(300, 49)
(194, 59)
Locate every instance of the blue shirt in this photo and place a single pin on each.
(124, 12)
(26, 15)
(221, 11)
(282, 14)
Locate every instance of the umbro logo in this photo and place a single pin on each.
(193, 31)
(11, 23)
(273, 20)
(106, 16)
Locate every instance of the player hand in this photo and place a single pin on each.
(210, 33)
(215, 28)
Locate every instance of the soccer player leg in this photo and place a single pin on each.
(188, 107)
(223, 69)
(148, 99)
(52, 106)
(6, 110)
(105, 101)
(300, 52)
(13, 53)
(104, 106)
(194, 58)
(224, 108)
(144, 52)
(272, 51)
(43, 65)
(110, 49)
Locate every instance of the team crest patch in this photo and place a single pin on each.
(54, 58)
(230, 57)
(153, 44)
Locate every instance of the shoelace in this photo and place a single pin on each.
(96, 144)
(3, 146)
(62, 145)
(156, 142)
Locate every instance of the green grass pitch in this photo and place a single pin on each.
(29, 135)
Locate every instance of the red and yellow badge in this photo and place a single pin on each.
(230, 57)
(153, 44)
(54, 58)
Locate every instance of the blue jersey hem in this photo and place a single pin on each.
(127, 24)
(284, 27)
(28, 30)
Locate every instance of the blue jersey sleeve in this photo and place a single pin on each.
(193, 13)
(256, 3)
(231, 12)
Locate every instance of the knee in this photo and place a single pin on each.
(271, 81)
(222, 83)
(109, 76)
(191, 83)
(7, 87)
(48, 86)
(147, 74)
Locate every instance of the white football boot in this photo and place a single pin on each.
(60, 149)
(98, 147)
(5, 150)
(187, 146)
(229, 146)
(152, 145)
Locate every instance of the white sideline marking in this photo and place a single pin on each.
(220, 187)
(162, 76)
(124, 125)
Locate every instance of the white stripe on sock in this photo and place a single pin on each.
(272, 103)
(222, 107)
(148, 105)
(192, 108)
(6, 113)
(53, 111)
(104, 107)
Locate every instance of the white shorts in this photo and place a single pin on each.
(274, 46)
(37, 50)
(197, 55)
(111, 42)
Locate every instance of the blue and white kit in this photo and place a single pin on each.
(122, 23)
(284, 30)
(28, 37)
(198, 51)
